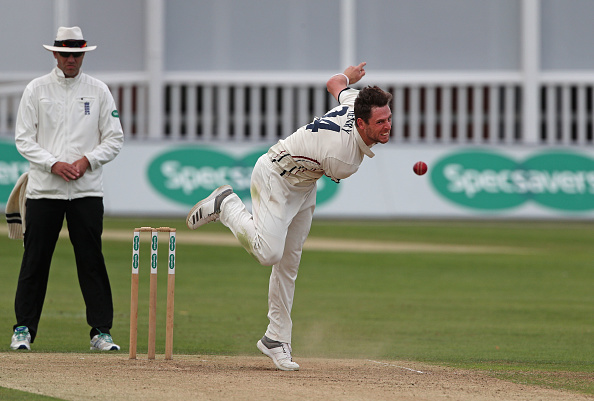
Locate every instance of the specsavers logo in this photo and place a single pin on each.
(12, 165)
(187, 175)
(491, 181)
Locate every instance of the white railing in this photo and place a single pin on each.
(10, 97)
(567, 107)
(429, 108)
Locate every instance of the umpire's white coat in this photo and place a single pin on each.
(64, 119)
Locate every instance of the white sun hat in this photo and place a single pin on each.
(70, 40)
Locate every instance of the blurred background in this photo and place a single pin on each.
(496, 97)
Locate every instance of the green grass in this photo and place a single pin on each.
(7, 394)
(524, 317)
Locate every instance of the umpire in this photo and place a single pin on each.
(67, 128)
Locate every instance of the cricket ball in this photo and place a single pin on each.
(420, 168)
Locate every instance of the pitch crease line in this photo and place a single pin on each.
(396, 366)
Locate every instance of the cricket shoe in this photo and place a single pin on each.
(21, 339)
(208, 209)
(280, 353)
(103, 342)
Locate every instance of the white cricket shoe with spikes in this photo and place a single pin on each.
(208, 209)
(280, 353)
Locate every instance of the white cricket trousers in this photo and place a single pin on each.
(274, 234)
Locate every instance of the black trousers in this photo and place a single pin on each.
(44, 220)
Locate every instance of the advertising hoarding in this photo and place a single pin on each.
(462, 182)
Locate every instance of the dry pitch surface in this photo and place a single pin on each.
(114, 377)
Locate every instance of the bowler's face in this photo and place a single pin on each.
(70, 65)
(379, 127)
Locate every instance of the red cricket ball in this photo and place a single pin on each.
(420, 168)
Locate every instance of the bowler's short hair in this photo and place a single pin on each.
(368, 98)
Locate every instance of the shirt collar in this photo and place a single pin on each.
(62, 79)
(362, 145)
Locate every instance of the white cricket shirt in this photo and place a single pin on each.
(330, 145)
